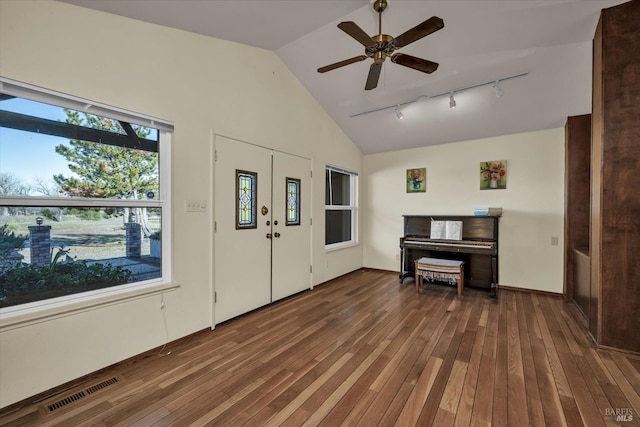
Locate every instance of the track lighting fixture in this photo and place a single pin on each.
(497, 89)
(399, 114)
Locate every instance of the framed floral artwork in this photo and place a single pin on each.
(493, 175)
(417, 180)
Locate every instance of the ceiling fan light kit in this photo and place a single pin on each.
(382, 46)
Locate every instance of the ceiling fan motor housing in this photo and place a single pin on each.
(383, 45)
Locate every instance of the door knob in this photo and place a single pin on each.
(276, 234)
(268, 235)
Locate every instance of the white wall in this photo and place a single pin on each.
(533, 201)
(201, 84)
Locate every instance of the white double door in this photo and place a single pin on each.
(255, 266)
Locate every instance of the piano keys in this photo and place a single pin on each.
(448, 245)
(478, 247)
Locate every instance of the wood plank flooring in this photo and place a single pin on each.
(366, 350)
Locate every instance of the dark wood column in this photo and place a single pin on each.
(576, 210)
(615, 178)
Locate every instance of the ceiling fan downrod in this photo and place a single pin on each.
(379, 6)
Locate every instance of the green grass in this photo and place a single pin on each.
(87, 239)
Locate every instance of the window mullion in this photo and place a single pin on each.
(77, 202)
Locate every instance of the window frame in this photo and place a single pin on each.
(352, 207)
(80, 301)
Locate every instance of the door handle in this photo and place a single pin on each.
(268, 235)
(276, 234)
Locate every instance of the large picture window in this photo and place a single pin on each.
(340, 207)
(84, 197)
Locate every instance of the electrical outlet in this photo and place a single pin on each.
(397, 257)
(195, 206)
(554, 240)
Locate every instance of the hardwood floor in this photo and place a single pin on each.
(365, 350)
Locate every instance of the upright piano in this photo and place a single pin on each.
(478, 247)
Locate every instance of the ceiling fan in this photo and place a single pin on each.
(381, 46)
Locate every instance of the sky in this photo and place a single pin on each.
(29, 155)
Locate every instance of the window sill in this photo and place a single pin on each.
(338, 246)
(37, 312)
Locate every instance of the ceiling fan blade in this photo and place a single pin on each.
(341, 63)
(429, 26)
(374, 76)
(356, 32)
(415, 63)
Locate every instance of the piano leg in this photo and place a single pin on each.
(405, 271)
(402, 276)
(494, 290)
(494, 277)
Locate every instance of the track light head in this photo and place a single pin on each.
(452, 101)
(497, 89)
(399, 114)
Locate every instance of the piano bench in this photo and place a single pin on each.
(439, 269)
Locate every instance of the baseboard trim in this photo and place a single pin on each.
(634, 354)
(380, 270)
(532, 291)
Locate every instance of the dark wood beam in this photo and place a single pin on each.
(27, 123)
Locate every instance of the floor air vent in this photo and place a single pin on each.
(102, 385)
(64, 402)
(81, 394)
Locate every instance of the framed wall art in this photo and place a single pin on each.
(417, 180)
(493, 175)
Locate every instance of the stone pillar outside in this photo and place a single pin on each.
(134, 240)
(40, 244)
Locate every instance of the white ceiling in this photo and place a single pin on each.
(482, 41)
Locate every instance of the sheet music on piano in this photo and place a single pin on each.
(446, 230)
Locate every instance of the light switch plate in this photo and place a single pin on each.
(195, 206)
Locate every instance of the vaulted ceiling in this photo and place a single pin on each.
(539, 50)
